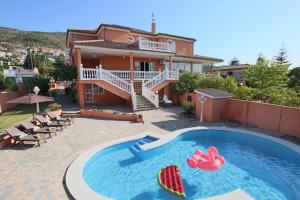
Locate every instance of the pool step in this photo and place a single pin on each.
(135, 149)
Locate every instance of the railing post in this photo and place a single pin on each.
(100, 72)
(81, 72)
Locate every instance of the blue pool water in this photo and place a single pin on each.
(264, 169)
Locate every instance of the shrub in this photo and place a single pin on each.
(188, 82)
(7, 84)
(188, 107)
(39, 81)
(244, 93)
(53, 107)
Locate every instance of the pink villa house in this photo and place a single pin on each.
(122, 65)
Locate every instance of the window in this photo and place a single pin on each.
(183, 67)
(90, 91)
(131, 40)
(169, 41)
(197, 68)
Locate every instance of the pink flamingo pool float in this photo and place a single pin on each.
(210, 161)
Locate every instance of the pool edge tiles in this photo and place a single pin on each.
(78, 187)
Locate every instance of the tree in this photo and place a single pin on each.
(282, 57)
(188, 82)
(266, 76)
(63, 71)
(294, 75)
(234, 61)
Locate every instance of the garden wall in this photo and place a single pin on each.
(6, 96)
(271, 117)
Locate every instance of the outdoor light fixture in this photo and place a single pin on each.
(36, 90)
(202, 100)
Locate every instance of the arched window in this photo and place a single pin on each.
(170, 41)
(131, 40)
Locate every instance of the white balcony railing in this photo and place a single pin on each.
(165, 75)
(102, 74)
(156, 46)
(137, 75)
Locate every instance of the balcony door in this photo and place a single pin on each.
(144, 66)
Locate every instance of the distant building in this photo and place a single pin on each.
(236, 71)
(2, 54)
(18, 73)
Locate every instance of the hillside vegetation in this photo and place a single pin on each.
(42, 39)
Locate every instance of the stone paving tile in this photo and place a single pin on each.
(37, 173)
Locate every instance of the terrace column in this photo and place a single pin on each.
(80, 86)
(78, 62)
(81, 94)
(170, 63)
(131, 66)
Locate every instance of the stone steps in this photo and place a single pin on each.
(143, 104)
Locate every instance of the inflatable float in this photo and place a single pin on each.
(210, 161)
(169, 180)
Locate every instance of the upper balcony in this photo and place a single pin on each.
(145, 44)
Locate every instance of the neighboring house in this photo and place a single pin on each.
(18, 73)
(236, 71)
(2, 54)
(123, 65)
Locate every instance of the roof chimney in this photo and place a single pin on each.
(153, 27)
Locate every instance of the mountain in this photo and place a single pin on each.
(41, 39)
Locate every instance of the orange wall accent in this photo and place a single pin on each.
(116, 35)
(214, 109)
(109, 98)
(90, 63)
(115, 63)
(6, 96)
(271, 117)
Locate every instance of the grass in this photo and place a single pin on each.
(18, 113)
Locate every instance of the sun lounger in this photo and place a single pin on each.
(21, 137)
(58, 118)
(167, 102)
(32, 129)
(47, 123)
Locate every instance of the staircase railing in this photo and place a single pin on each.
(150, 95)
(164, 75)
(101, 74)
(133, 96)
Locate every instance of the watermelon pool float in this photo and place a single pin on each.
(169, 180)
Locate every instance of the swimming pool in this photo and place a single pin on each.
(261, 167)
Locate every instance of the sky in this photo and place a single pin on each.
(223, 28)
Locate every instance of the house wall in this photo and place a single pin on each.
(183, 47)
(108, 98)
(118, 62)
(116, 35)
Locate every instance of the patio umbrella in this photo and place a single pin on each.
(31, 99)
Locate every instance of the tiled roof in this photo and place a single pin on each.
(228, 67)
(106, 44)
(135, 30)
(214, 93)
(200, 57)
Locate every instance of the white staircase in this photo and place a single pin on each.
(156, 80)
(113, 78)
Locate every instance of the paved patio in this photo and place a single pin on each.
(37, 173)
